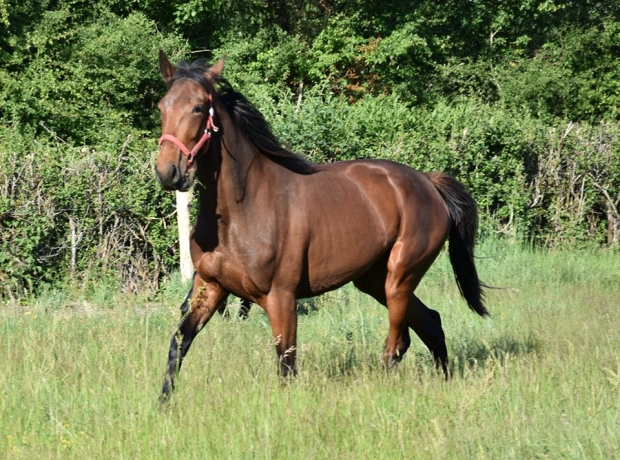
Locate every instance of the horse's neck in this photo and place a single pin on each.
(226, 177)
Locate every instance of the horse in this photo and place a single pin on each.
(377, 223)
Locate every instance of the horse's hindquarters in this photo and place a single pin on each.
(356, 213)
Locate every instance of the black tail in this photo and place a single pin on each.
(464, 216)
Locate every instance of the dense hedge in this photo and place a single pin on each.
(77, 211)
(552, 183)
(519, 100)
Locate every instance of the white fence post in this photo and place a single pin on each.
(185, 263)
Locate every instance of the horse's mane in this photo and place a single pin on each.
(246, 117)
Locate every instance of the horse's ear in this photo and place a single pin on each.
(166, 68)
(215, 71)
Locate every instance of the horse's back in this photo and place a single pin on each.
(388, 193)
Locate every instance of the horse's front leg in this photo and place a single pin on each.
(201, 303)
(282, 311)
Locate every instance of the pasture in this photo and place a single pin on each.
(81, 372)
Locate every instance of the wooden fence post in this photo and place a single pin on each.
(185, 262)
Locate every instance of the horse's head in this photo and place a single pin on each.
(186, 120)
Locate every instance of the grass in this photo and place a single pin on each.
(80, 373)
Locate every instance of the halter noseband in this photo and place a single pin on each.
(203, 142)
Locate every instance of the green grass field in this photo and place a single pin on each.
(80, 373)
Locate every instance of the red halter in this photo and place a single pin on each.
(204, 140)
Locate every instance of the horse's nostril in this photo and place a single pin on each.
(168, 176)
(174, 173)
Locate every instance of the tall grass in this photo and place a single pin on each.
(80, 374)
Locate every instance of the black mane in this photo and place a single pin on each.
(247, 117)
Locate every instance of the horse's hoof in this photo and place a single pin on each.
(164, 398)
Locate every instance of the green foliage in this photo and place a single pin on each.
(271, 60)
(556, 185)
(74, 211)
(4, 14)
(575, 77)
(78, 104)
(518, 99)
(86, 81)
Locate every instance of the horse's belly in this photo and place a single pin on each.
(342, 257)
(320, 285)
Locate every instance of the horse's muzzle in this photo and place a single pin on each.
(170, 178)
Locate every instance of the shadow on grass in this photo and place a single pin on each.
(345, 357)
(235, 309)
(477, 353)
(306, 307)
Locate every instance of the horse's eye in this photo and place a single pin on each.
(197, 109)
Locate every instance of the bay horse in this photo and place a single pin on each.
(273, 227)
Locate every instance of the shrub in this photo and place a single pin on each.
(77, 211)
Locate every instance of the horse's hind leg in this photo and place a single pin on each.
(425, 322)
(427, 325)
(398, 292)
(404, 272)
(378, 283)
(199, 306)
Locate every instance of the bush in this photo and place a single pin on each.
(517, 101)
(76, 211)
(78, 111)
(557, 183)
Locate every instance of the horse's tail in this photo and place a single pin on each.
(464, 216)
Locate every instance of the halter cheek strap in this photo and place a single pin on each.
(203, 142)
